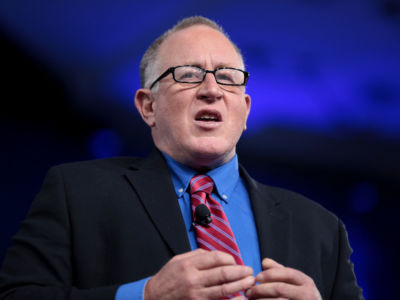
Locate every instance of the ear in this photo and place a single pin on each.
(248, 105)
(144, 102)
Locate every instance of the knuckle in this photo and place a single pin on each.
(253, 292)
(221, 257)
(224, 290)
(190, 280)
(265, 276)
(199, 251)
(221, 291)
(297, 276)
(280, 288)
(224, 273)
(184, 265)
(217, 255)
(292, 273)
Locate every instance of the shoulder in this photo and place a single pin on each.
(91, 174)
(97, 167)
(114, 163)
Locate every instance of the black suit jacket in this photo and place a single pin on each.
(96, 225)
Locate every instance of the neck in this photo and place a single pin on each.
(201, 163)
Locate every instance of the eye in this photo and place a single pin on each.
(225, 76)
(230, 76)
(188, 74)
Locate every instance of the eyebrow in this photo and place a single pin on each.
(220, 65)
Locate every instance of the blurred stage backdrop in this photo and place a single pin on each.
(325, 87)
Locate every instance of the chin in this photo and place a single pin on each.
(210, 147)
(212, 154)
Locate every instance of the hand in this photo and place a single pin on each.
(199, 274)
(279, 282)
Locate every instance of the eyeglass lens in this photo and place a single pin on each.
(191, 74)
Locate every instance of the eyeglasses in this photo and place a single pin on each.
(194, 74)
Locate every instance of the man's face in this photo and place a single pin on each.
(198, 124)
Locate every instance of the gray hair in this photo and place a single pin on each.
(148, 64)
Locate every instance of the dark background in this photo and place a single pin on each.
(325, 87)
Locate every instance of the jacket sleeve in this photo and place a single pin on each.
(39, 263)
(345, 285)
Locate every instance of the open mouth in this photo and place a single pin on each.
(208, 116)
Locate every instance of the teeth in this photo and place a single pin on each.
(208, 118)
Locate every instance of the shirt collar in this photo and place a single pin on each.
(225, 177)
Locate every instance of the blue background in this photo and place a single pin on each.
(325, 87)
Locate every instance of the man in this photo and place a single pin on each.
(125, 228)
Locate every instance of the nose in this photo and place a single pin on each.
(209, 89)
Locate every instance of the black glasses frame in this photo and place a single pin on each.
(172, 70)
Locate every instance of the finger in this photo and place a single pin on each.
(270, 263)
(226, 289)
(189, 254)
(224, 274)
(204, 259)
(274, 298)
(239, 298)
(211, 259)
(274, 290)
(282, 274)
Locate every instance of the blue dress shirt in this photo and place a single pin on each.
(231, 192)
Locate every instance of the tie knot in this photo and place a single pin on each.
(201, 183)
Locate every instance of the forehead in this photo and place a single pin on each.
(199, 45)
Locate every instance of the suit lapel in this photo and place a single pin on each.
(272, 221)
(151, 180)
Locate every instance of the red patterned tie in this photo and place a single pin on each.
(218, 234)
